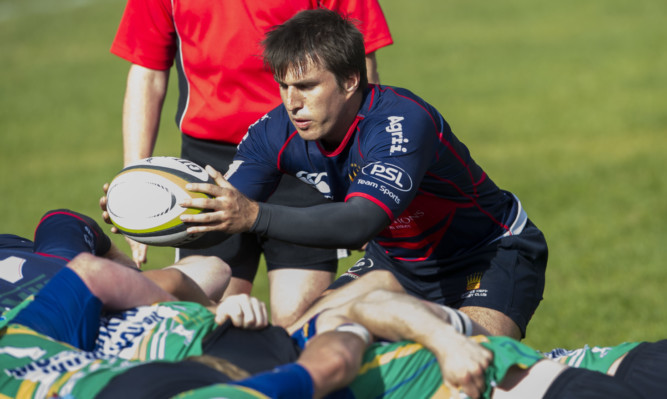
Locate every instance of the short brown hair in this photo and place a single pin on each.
(321, 36)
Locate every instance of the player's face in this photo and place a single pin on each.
(317, 106)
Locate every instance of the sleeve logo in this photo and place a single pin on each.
(389, 174)
(395, 128)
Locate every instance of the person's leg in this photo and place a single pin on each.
(297, 274)
(292, 291)
(64, 233)
(240, 251)
(495, 322)
(503, 296)
(210, 273)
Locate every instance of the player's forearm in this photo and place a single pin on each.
(337, 225)
(371, 69)
(398, 317)
(142, 107)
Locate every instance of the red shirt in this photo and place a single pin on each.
(223, 85)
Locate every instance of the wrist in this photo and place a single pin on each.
(357, 329)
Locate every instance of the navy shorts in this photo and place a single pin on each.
(242, 251)
(507, 275)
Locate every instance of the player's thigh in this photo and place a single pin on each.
(240, 251)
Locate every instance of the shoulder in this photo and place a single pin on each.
(271, 130)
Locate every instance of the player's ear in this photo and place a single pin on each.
(351, 84)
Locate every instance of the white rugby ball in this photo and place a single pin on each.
(143, 200)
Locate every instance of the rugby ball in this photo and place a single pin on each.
(143, 200)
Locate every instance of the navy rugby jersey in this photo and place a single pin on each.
(400, 154)
(26, 266)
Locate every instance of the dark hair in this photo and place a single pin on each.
(322, 36)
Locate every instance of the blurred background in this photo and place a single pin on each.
(563, 103)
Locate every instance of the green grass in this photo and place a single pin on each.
(562, 103)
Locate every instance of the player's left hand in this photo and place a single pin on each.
(243, 310)
(230, 210)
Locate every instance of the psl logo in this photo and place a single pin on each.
(396, 130)
(390, 174)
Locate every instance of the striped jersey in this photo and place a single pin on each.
(399, 153)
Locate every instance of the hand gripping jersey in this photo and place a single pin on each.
(223, 85)
(406, 369)
(400, 154)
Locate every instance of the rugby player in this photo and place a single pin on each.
(61, 234)
(397, 177)
(47, 345)
(69, 306)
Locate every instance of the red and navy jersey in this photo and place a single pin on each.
(216, 45)
(399, 153)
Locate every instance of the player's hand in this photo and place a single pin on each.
(462, 363)
(230, 210)
(139, 250)
(103, 206)
(243, 310)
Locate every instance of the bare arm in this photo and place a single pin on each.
(333, 360)
(396, 316)
(142, 107)
(372, 69)
(375, 280)
(118, 287)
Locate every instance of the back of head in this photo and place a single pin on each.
(321, 36)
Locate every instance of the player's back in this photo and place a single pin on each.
(23, 272)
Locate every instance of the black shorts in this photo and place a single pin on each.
(645, 368)
(161, 380)
(252, 350)
(242, 251)
(507, 275)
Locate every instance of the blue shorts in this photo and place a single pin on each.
(64, 310)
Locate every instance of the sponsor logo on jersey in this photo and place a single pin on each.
(317, 180)
(395, 128)
(406, 221)
(389, 174)
(354, 171)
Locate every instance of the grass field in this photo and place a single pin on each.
(563, 103)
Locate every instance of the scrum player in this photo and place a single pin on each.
(398, 178)
(61, 234)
